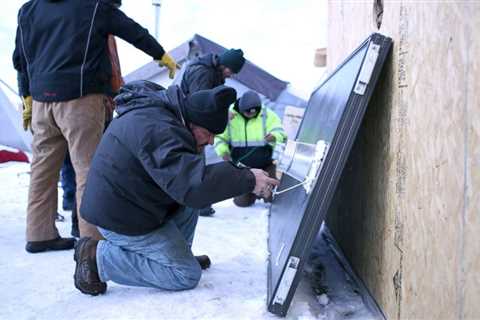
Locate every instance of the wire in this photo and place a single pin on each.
(249, 153)
(275, 192)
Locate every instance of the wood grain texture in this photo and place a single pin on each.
(407, 211)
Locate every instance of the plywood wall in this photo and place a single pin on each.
(407, 212)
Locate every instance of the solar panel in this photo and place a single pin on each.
(313, 163)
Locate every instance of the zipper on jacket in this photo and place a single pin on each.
(86, 49)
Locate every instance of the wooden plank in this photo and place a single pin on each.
(402, 215)
(471, 307)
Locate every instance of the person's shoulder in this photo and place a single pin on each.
(25, 7)
(108, 3)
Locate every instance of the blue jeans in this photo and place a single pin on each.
(161, 259)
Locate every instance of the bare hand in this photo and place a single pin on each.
(263, 183)
(270, 138)
(226, 157)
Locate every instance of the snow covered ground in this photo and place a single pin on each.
(40, 286)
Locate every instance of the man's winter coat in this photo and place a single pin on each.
(147, 165)
(61, 48)
(202, 74)
(244, 138)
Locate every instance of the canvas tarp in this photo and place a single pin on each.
(11, 130)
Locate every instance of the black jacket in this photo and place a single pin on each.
(61, 47)
(146, 165)
(202, 74)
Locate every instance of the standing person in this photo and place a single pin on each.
(67, 173)
(145, 215)
(250, 137)
(207, 72)
(62, 62)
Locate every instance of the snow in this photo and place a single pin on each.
(40, 286)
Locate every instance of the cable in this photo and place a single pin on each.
(275, 192)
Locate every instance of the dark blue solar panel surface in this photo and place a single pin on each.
(333, 114)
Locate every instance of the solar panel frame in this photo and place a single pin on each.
(282, 281)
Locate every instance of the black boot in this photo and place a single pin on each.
(55, 244)
(206, 212)
(204, 261)
(86, 273)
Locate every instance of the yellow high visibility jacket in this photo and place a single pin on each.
(244, 139)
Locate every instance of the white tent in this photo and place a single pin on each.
(11, 130)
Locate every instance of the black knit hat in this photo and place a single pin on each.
(233, 59)
(209, 108)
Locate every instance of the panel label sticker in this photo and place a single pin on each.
(287, 280)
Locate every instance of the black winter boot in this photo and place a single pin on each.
(86, 272)
(204, 261)
(50, 245)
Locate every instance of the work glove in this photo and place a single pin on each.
(27, 112)
(168, 62)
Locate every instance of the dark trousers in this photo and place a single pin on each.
(246, 200)
(69, 186)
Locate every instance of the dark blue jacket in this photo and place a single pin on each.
(147, 166)
(202, 74)
(61, 47)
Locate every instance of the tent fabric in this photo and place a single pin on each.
(11, 130)
(252, 76)
(6, 156)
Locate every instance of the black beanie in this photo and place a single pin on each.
(233, 59)
(209, 108)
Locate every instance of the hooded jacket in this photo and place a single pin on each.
(202, 74)
(61, 48)
(146, 165)
(244, 138)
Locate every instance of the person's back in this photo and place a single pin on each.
(65, 45)
(211, 70)
(202, 73)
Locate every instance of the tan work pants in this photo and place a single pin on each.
(77, 125)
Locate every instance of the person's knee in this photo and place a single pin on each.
(188, 277)
(244, 200)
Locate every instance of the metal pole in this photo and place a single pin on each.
(157, 4)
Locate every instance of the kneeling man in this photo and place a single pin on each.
(146, 176)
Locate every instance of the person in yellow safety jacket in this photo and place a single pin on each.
(249, 138)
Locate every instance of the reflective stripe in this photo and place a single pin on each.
(86, 49)
(237, 144)
(277, 129)
(264, 121)
(23, 49)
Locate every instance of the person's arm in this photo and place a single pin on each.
(274, 127)
(20, 64)
(182, 174)
(221, 145)
(119, 24)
